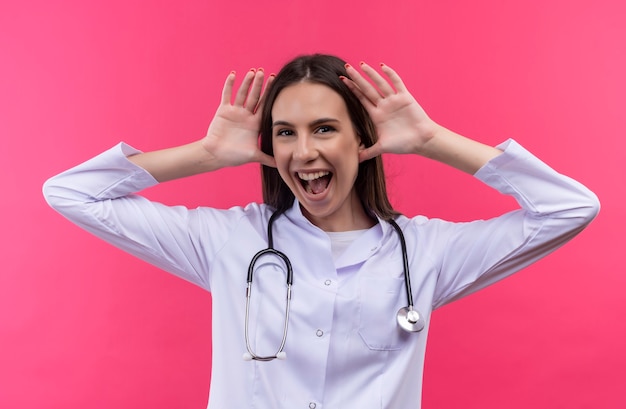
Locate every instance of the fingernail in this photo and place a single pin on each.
(260, 69)
(348, 65)
(382, 64)
(362, 63)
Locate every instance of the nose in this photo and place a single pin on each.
(305, 150)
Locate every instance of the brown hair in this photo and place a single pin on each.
(326, 70)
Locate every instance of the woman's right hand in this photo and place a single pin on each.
(233, 135)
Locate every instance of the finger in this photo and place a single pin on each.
(227, 91)
(378, 80)
(369, 153)
(255, 90)
(242, 92)
(366, 88)
(357, 92)
(261, 102)
(395, 79)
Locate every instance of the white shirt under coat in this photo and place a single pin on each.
(344, 348)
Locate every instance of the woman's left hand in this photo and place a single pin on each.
(401, 123)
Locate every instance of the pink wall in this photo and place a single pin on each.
(83, 325)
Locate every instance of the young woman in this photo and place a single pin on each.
(323, 128)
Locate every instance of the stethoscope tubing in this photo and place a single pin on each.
(270, 250)
(408, 318)
(405, 262)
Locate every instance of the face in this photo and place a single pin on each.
(317, 155)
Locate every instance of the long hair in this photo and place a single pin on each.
(325, 70)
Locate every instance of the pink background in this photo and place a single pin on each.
(83, 325)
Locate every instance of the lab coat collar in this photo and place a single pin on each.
(360, 250)
(296, 216)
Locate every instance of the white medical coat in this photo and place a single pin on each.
(344, 348)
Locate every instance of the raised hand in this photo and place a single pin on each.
(402, 124)
(232, 137)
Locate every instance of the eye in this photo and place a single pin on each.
(284, 132)
(325, 129)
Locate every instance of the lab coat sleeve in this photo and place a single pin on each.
(554, 209)
(99, 196)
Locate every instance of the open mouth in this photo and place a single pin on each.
(315, 182)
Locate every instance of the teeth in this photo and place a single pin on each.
(312, 176)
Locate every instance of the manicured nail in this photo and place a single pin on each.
(348, 65)
(260, 69)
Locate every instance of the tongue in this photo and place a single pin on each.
(319, 185)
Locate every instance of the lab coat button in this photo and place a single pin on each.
(312, 405)
(319, 332)
(327, 282)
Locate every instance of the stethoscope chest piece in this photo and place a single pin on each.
(410, 320)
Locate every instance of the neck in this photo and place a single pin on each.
(348, 218)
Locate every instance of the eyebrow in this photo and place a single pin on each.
(311, 124)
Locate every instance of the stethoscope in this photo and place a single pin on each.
(408, 317)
